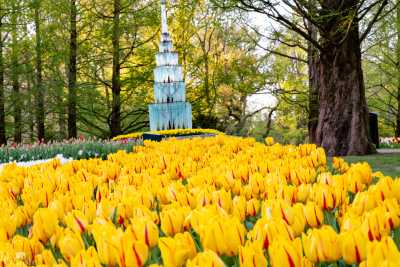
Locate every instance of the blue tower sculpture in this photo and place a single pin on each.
(170, 110)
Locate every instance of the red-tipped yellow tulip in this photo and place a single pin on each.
(208, 258)
(321, 245)
(252, 255)
(176, 251)
(313, 215)
(354, 246)
(45, 224)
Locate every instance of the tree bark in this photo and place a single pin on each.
(313, 100)
(397, 132)
(15, 77)
(343, 116)
(3, 139)
(40, 113)
(73, 47)
(115, 124)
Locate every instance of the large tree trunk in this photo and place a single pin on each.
(15, 77)
(313, 100)
(40, 116)
(343, 118)
(3, 139)
(398, 71)
(73, 47)
(115, 124)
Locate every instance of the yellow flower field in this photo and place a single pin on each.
(221, 201)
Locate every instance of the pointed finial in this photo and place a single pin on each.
(164, 25)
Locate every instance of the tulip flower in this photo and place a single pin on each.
(45, 258)
(374, 224)
(252, 255)
(267, 230)
(86, 258)
(143, 229)
(108, 242)
(223, 235)
(176, 251)
(76, 221)
(313, 215)
(379, 252)
(284, 253)
(222, 199)
(354, 246)
(252, 207)
(132, 253)
(45, 224)
(70, 244)
(172, 220)
(269, 141)
(321, 245)
(208, 258)
(26, 249)
(326, 196)
(239, 207)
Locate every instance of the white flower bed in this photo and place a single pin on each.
(36, 162)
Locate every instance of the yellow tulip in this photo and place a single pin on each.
(172, 220)
(26, 249)
(326, 197)
(45, 258)
(384, 251)
(303, 192)
(313, 215)
(284, 253)
(354, 246)
(132, 253)
(321, 245)
(76, 221)
(143, 229)
(70, 244)
(222, 199)
(45, 224)
(239, 207)
(108, 240)
(269, 141)
(374, 224)
(252, 207)
(252, 255)
(176, 251)
(267, 230)
(208, 258)
(86, 258)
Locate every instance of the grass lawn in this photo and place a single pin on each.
(388, 164)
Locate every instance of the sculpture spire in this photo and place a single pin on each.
(164, 25)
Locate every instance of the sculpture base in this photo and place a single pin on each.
(165, 116)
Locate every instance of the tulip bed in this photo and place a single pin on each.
(221, 201)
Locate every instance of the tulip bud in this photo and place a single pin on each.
(353, 244)
(382, 253)
(286, 253)
(86, 258)
(132, 253)
(45, 223)
(252, 207)
(143, 229)
(70, 244)
(313, 215)
(321, 245)
(239, 207)
(252, 255)
(172, 220)
(176, 251)
(208, 258)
